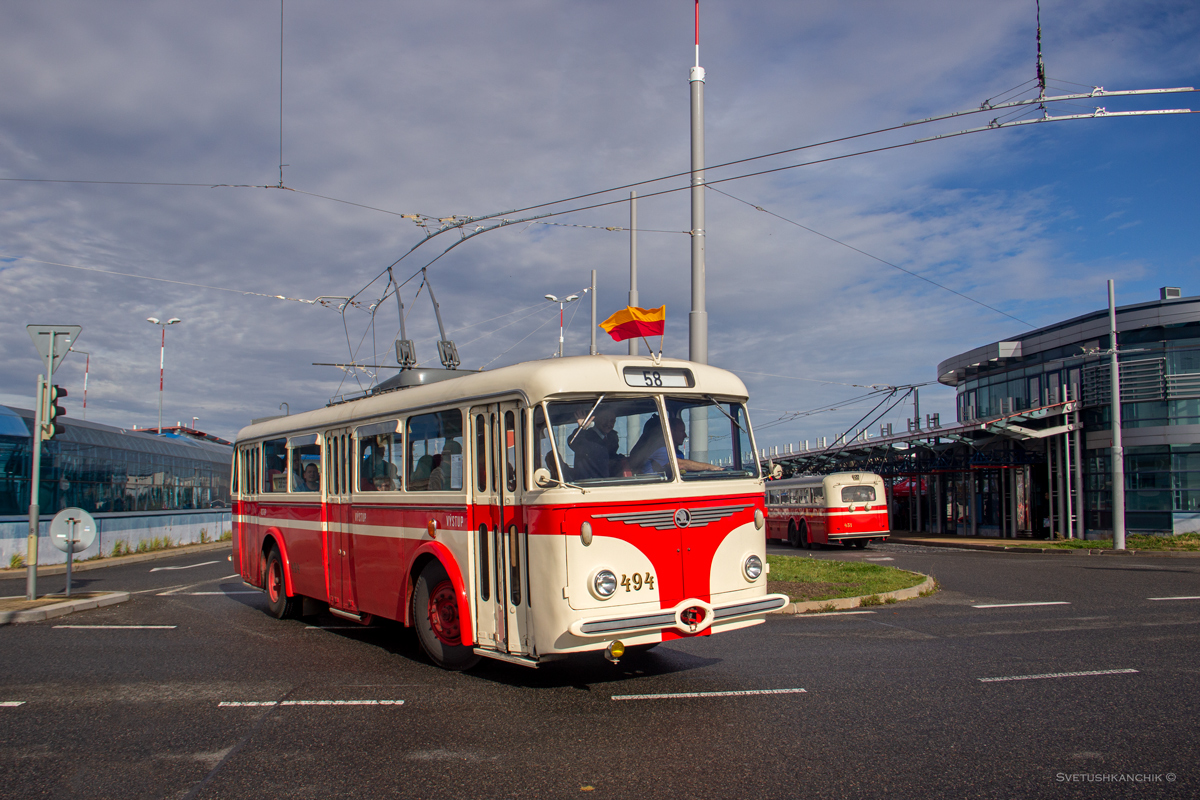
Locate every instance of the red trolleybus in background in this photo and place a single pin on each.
(576, 504)
(845, 507)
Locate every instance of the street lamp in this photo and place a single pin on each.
(561, 305)
(161, 352)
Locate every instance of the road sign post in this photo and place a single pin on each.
(73, 530)
(53, 342)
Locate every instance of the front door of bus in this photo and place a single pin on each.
(337, 520)
(499, 557)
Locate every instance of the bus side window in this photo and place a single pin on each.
(481, 460)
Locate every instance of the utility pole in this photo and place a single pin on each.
(633, 290)
(1118, 452)
(698, 319)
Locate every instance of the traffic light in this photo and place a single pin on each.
(53, 426)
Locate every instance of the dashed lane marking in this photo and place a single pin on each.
(1018, 605)
(118, 627)
(11, 703)
(684, 695)
(833, 614)
(273, 703)
(1060, 675)
(189, 566)
(884, 558)
(203, 594)
(1187, 597)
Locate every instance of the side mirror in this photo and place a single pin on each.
(776, 471)
(541, 478)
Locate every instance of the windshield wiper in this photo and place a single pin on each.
(586, 420)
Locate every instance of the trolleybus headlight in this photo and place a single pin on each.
(759, 519)
(604, 584)
(753, 567)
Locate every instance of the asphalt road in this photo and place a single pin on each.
(1096, 697)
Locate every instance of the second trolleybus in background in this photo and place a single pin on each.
(526, 513)
(848, 508)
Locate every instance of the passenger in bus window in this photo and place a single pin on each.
(596, 446)
(312, 477)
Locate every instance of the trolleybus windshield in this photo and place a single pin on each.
(608, 439)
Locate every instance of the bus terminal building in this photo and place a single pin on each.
(1029, 453)
(138, 486)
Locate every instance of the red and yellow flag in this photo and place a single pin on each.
(631, 322)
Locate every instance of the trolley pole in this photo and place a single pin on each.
(593, 350)
(1118, 452)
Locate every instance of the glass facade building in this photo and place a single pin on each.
(103, 469)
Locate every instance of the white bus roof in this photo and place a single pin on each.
(532, 381)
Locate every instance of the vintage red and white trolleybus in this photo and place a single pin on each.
(578, 504)
(847, 508)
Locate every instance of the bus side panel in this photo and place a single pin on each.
(304, 549)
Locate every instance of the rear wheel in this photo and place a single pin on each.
(803, 534)
(794, 535)
(435, 616)
(279, 605)
(860, 543)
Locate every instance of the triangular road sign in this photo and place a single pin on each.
(60, 337)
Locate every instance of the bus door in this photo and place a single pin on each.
(336, 517)
(501, 552)
(489, 614)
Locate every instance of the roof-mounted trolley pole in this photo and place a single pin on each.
(446, 349)
(406, 352)
(698, 319)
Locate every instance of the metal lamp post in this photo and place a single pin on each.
(161, 354)
(562, 304)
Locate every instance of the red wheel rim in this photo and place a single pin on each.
(275, 582)
(443, 613)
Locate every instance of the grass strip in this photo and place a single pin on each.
(804, 578)
(1183, 542)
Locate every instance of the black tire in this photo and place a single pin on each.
(439, 644)
(279, 605)
(803, 533)
(794, 536)
(861, 544)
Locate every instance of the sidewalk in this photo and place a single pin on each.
(1015, 546)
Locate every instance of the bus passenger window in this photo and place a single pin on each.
(275, 465)
(380, 457)
(511, 449)
(435, 452)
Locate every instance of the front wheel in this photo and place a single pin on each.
(435, 616)
(279, 605)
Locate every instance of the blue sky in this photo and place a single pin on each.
(471, 107)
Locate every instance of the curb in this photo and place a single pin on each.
(114, 561)
(843, 603)
(1004, 548)
(62, 609)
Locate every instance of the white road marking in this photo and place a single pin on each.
(678, 695)
(230, 577)
(11, 703)
(189, 566)
(1189, 597)
(272, 703)
(336, 627)
(202, 594)
(833, 614)
(1018, 605)
(117, 627)
(885, 558)
(1060, 675)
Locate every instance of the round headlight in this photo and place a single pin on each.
(605, 583)
(752, 566)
